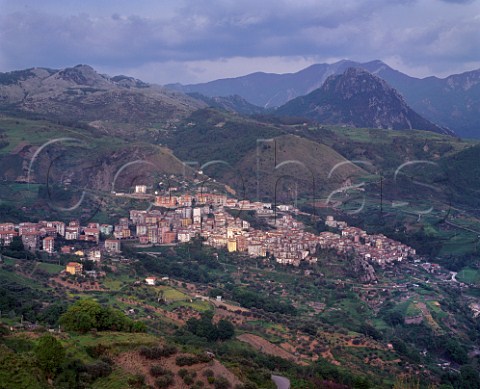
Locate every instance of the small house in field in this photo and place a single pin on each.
(74, 268)
(151, 280)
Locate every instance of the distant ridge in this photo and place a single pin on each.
(81, 94)
(358, 98)
(452, 102)
(270, 90)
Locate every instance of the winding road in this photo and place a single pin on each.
(281, 382)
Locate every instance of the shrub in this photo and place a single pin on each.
(186, 360)
(188, 379)
(169, 350)
(183, 372)
(157, 371)
(150, 352)
(164, 382)
(137, 381)
(157, 352)
(97, 350)
(208, 373)
(98, 369)
(50, 354)
(222, 383)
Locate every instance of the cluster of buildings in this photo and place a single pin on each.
(39, 236)
(206, 215)
(42, 235)
(56, 236)
(375, 248)
(214, 217)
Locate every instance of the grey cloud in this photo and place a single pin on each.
(208, 30)
(459, 1)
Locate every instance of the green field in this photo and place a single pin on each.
(469, 276)
(171, 294)
(379, 136)
(7, 277)
(33, 132)
(50, 267)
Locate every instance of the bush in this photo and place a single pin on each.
(150, 352)
(137, 381)
(186, 360)
(97, 350)
(164, 382)
(50, 355)
(157, 352)
(98, 369)
(222, 383)
(183, 373)
(188, 380)
(157, 371)
(208, 373)
(169, 350)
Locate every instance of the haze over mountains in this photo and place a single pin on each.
(452, 102)
(384, 97)
(360, 99)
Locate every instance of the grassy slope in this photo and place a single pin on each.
(311, 164)
(374, 144)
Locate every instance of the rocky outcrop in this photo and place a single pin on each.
(359, 99)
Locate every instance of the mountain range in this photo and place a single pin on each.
(452, 102)
(130, 108)
(80, 94)
(360, 99)
(75, 143)
(121, 116)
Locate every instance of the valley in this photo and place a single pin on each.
(225, 248)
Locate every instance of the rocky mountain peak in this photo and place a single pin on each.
(80, 93)
(360, 99)
(356, 81)
(82, 75)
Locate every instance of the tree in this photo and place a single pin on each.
(81, 316)
(52, 313)
(112, 319)
(17, 244)
(394, 318)
(470, 378)
(50, 355)
(86, 315)
(88, 265)
(455, 352)
(225, 330)
(203, 327)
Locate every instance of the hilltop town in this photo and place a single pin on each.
(216, 218)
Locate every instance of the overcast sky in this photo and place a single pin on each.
(189, 41)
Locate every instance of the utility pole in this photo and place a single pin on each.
(381, 195)
(275, 157)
